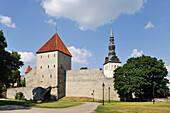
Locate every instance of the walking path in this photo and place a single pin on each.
(88, 107)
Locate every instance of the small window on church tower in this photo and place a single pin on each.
(40, 67)
(42, 76)
(54, 55)
(48, 56)
(41, 56)
(48, 66)
(54, 66)
(115, 66)
(51, 76)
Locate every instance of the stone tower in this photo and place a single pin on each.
(53, 59)
(112, 61)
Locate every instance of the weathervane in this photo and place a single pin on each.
(56, 28)
(111, 35)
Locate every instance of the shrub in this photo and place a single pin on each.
(20, 96)
(83, 68)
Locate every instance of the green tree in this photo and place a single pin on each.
(139, 75)
(14, 67)
(4, 70)
(9, 64)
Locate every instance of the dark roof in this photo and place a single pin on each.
(113, 59)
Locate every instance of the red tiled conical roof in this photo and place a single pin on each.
(28, 69)
(54, 44)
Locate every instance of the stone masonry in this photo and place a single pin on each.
(81, 83)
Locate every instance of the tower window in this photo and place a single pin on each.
(40, 67)
(115, 66)
(51, 76)
(48, 56)
(54, 55)
(41, 56)
(54, 66)
(42, 76)
(48, 66)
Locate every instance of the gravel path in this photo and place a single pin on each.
(88, 107)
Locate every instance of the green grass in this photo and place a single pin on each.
(77, 99)
(81, 99)
(134, 107)
(42, 105)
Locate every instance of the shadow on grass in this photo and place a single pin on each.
(13, 107)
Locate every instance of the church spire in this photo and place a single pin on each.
(111, 35)
(112, 55)
(111, 45)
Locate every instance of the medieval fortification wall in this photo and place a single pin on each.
(81, 83)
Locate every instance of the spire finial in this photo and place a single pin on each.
(111, 35)
(56, 28)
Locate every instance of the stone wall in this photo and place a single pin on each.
(47, 69)
(26, 91)
(81, 83)
(64, 63)
(30, 78)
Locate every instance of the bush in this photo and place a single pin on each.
(83, 68)
(20, 96)
(3, 89)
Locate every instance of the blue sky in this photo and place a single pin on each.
(139, 27)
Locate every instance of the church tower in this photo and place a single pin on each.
(112, 61)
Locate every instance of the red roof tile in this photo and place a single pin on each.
(54, 44)
(28, 69)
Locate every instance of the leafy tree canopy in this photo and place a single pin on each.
(139, 75)
(9, 64)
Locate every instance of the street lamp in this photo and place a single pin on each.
(93, 95)
(103, 93)
(109, 94)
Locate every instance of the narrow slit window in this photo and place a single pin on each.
(48, 66)
(51, 76)
(42, 76)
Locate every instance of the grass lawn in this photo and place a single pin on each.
(134, 107)
(76, 99)
(43, 105)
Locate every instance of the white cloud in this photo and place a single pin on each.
(7, 21)
(168, 77)
(168, 68)
(149, 25)
(80, 56)
(89, 14)
(29, 59)
(27, 56)
(135, 52)
(50, 21)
